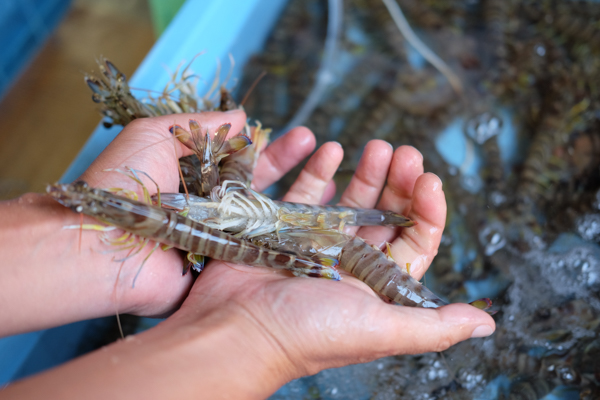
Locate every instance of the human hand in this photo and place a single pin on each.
(242, 332)
(305, 325)
(146, 145)
(76, 275)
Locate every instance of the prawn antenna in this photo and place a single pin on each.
(251, 88)
(410, 36)
(80, 231)
(116, 296)
(185, 189)
(142, 265)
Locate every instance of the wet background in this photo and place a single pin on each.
(518, 152)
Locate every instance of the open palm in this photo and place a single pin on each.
(318, 323)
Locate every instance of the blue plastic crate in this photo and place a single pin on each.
(24, 27)
(199, 27)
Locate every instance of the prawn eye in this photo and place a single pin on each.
(80, 187)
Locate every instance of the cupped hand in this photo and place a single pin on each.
(146, 145)
(241, 332)
(316, 323)
(312, 324)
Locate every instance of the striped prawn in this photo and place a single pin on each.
(172, 229)
(367, 263)
(311, 230)
(375, 268)
(111, 90)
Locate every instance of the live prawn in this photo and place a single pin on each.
(229, 208)
(174, 230)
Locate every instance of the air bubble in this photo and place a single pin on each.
(492, 238)
(540, 50)
(588, 226)
(497, 198)
(482, 127)
(471, 183)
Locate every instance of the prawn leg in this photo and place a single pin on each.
(239, 166)
(196, 262)
(130, 241)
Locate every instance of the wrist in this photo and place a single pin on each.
(45, 276)
(235, 356)
(52, 276)
(220, 355)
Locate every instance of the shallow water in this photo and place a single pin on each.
(519, 155)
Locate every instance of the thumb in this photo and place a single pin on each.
(394, 330)
(418, 330)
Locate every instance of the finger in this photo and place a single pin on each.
(366, 184)
(329, 192)
(281, 156)
(406, 167)
(419, 244)
(415, 330)
(147, 145)
(310, 185)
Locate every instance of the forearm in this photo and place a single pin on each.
(50, 276)
(41, 283)
(223, 356)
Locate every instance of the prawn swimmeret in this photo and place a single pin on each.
(174, 230)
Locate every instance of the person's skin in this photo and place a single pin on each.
(241, 332)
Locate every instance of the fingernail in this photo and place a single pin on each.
(482, 331)
(338, 143)
(234, 111)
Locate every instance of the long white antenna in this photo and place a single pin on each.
(426, 52)
(325, 74)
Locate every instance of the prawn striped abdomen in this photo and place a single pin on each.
(366, 263)
(384, 276)
(172, 229)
